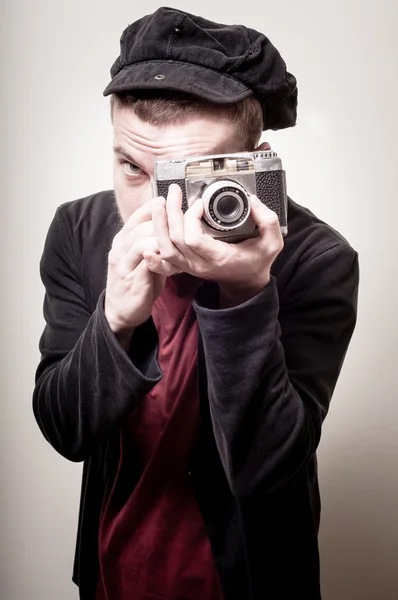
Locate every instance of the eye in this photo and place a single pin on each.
(130, 168)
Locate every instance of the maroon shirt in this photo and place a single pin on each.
(152, 540)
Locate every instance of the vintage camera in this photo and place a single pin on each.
(225, 182)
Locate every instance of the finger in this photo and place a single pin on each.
(144, 213)
(175, 216)
(142, 230)
(167, 249)
(266, 220)
(157, 265)
(129, 261)
(196, 240)
(140, 216)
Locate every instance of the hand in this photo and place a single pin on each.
(242, 270)
(131, 287)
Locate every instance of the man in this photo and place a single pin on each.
(192, 375)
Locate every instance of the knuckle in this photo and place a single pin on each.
(201, 271)
(192, 241)
(113, 257)
(273, 218)
(117, 239)
(126, 285)
(168, 254)
(176, 239)
(276, 247)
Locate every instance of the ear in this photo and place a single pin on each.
(263, 146)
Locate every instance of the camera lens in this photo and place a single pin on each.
(226, 205)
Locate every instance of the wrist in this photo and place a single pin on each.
(233, 294)
(122, 332)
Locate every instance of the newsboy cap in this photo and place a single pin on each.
(171, 50)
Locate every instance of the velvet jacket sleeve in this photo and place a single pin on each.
(85, 382)
(272, 364)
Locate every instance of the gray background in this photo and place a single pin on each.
(341, 163)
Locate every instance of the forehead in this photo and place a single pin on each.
(201, 134)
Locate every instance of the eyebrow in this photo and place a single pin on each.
(122, 152)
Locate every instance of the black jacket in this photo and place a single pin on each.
(267, 370)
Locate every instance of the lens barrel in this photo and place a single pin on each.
(226, 205)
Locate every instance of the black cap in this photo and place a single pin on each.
(171, 50)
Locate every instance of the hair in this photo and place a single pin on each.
(176, 108)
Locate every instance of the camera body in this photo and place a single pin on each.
(225, 182)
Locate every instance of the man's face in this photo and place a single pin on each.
(137, 145)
